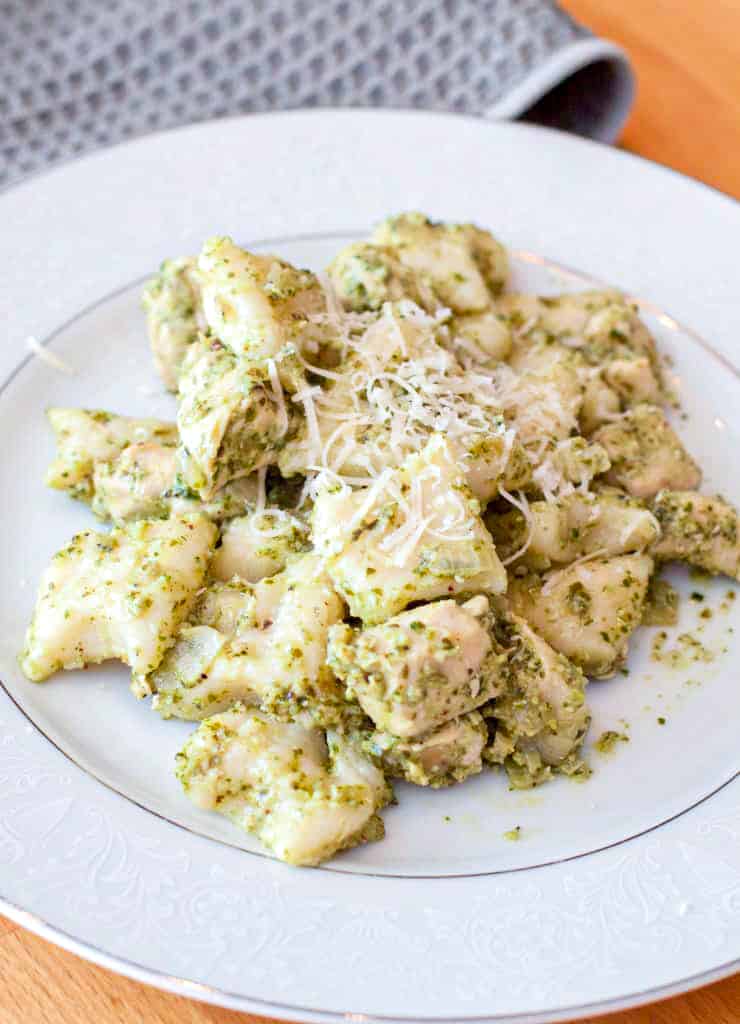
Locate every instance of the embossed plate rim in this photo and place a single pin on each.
(230, 1000)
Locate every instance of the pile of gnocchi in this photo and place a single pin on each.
(401, 517)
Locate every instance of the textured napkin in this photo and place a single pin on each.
(79, 74)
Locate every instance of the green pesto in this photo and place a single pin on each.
(661, 604)
(607, 742)
(700, 530)
(171, 301)
(686, 651)
(292, 785)
(540, 714)
(446, 757)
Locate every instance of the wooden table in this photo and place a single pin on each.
(687, 56)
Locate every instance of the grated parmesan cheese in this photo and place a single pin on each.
(424, 513)
(50, 358)
(397, 386)
(522, 504)
(279, 398)
(306, 397)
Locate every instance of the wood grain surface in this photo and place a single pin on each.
(687, 57)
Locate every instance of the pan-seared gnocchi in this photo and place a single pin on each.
(174, 311)
(86, 437)
(262, 643)
(118, 595)
(398, 518)
(414, 535)
(306, 793)
(587, 610)
(540, 717)
(646, 454)
(443, 757)
(420, 669)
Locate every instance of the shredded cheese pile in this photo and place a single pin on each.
(400, 382)
(396, 388)
(422, 511)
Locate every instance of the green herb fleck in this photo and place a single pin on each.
(608, 740)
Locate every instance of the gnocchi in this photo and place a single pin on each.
(398, 518)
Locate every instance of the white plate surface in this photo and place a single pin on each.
(622, 887)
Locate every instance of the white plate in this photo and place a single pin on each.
(622, 889)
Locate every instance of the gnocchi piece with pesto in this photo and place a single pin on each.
(257, 305)
(646, 454)
(399, 516)
(259, 544)
(587, 610)
(306, 793)
(174, 311)
(414, 535)
(262, 643)
(365, 276)
(232, 419)
(701, 530)
(143, 483)
(540, 718)
(457, 266)
(463, 265)
(118, 595)
(602, 326)
(86, 437)
(420, 669)
(566, 529)
(443, 757)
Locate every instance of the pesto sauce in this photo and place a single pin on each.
(607, 742)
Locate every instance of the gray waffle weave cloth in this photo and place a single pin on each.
(79, 74)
